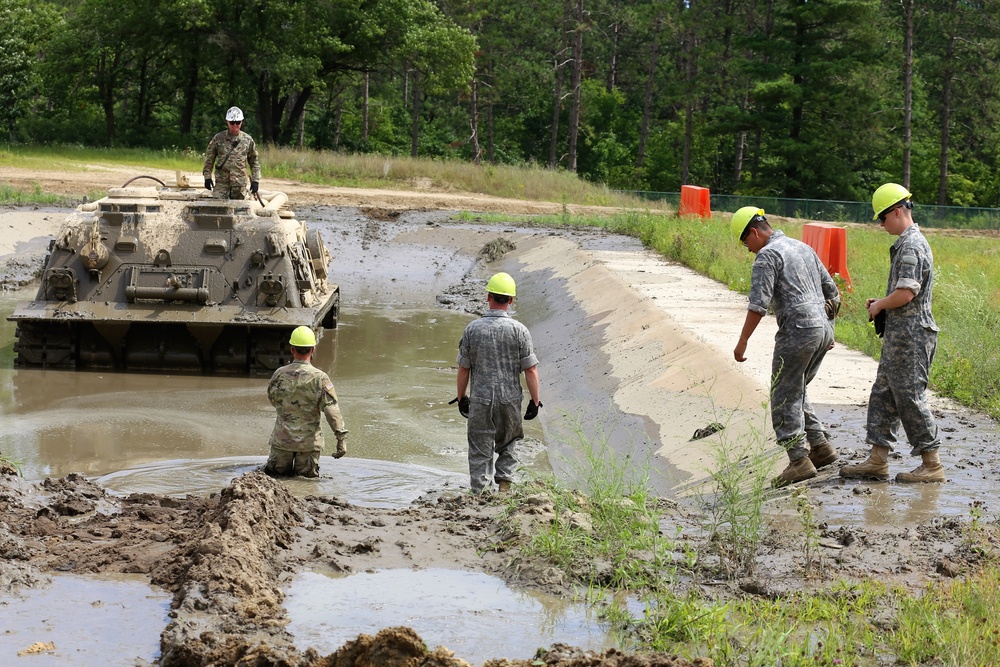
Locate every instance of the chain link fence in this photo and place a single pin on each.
(952, 217)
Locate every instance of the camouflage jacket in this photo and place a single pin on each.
(788, 275)
(496, 348)
(913, 269)
(300, 393)
(241, 151)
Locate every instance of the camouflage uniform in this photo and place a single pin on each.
(907, 351)
(788, 275)
(300, 392)
(229, 156)
(495, 348)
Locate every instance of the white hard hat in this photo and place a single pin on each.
(234, 114)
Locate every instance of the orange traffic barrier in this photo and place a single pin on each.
(695, 201)
(830, 243)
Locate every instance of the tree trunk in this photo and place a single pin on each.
(474, 122)
(647, 103)
(364, 108)
(294, 115)
(616, 30)
(190, 94)
(338, 122)
(907, 92)
(559, 65)
(106, 91)
(575, 113)
(415, 126)
(949, 62)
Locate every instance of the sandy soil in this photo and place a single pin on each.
(657, 342)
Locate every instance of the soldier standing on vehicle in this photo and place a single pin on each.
(788, 275)
(300, 393)
(493, 352)
(910, 340)
(229, 154)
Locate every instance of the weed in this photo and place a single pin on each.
(810, 531)
(738, 489)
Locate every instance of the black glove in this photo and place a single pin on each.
(253, 187)
(463, 405)
(532, 410)
(208, 183)
(832, 307)
(879, 323)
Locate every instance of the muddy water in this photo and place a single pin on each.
(394, 385)
(91, 621)
(473, 614)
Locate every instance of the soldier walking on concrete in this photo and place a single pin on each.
(300, 393)
(910, 340)
(788, 276)
(493, 352)
(229, 154)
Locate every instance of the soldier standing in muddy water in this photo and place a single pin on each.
(898, 395)
(300, 393)
(788, 275)
(493, 352)
(229, 153)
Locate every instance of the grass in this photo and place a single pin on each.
(865, 623)
(528, 182)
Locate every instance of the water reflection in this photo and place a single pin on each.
(92, 621)
(475, 615)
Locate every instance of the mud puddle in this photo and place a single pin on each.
(359, 481)
(84, 622)
(475, 615)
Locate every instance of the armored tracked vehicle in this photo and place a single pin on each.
(169, 279)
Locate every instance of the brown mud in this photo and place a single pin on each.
(612, 327)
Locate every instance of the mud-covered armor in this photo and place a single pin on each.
(167, 279)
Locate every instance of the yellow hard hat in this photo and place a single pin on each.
(742, 218)
(501, 283)
(888, 196)
(303, 337)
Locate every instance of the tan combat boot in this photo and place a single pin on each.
(797, 470)
(822, 454)
(504, 486)
(875, 467)
(930, 470)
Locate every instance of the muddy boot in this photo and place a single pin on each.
(930, 470)
(822, 454)
(875, 467)
(504, 486)
(797, 470)
(341, 448)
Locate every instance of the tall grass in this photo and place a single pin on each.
(529, 182)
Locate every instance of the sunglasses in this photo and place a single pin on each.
(881, 216)
(236, 122)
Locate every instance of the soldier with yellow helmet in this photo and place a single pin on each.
(492, 354)
(898, 395)
(789, 278)
(300, 393)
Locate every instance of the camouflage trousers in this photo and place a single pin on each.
(230, 188)
(494, 428)
(899, 393)
(798, 354)
(285, 463)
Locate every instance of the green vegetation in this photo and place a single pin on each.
(803, 99)
(864, 623)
